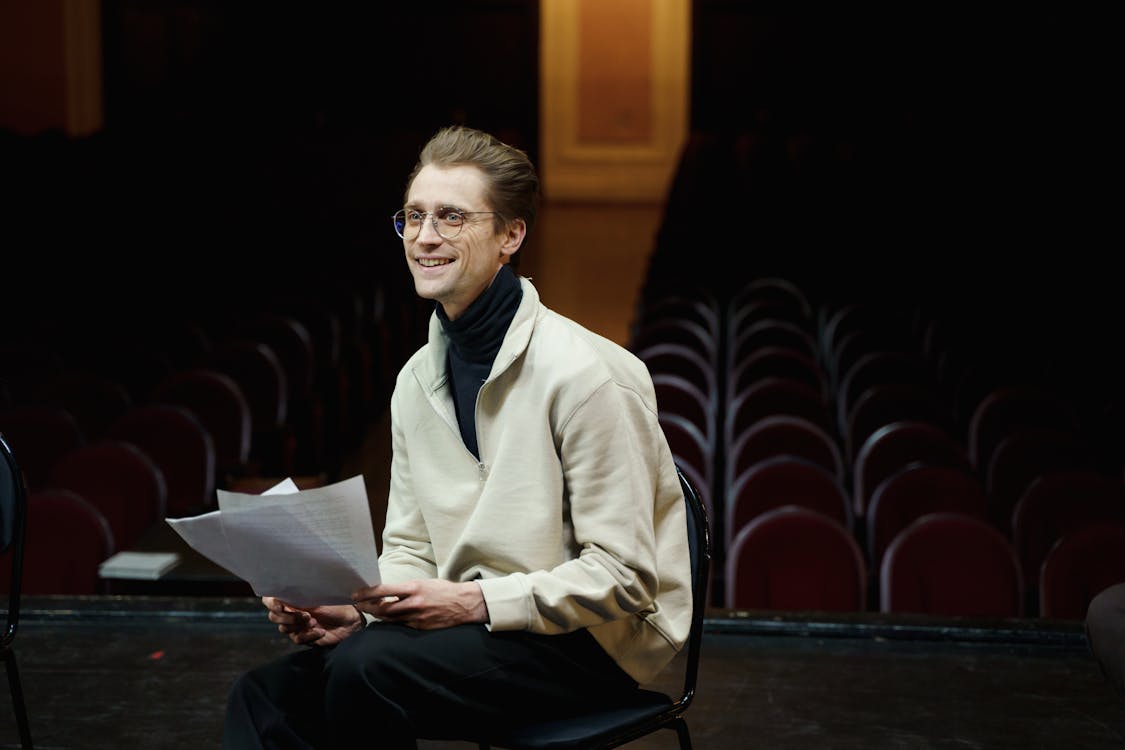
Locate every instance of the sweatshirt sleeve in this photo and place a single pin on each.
(615, 461)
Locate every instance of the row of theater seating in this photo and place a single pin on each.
(866, 416)
(151, 426)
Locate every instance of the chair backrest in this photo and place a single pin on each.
(1079, 566)
(121, 481)
(879, 367)
(896, 445)
(770, 333)
(1008, 409)
(261, 376)
(682, 361)
(675, 331)
(773, 396)
(795, 559)
(769, 297)
(949, 564)
(779, 481)
(914, 491)
(1056, 504)
(881, 405)
(218, 402)
(1020, 458)
(44, 434)
(784, 435)
(67, 538)
(700, 310)
(870, 320)
(293, 344)
(775, 362)
(689, 446)
(13, 523)
(94, 401)
(180, 445)
(676, 395)
(699, 546)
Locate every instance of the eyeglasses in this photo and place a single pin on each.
(447, 221)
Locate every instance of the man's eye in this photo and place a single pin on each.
(451, 216)
(414, 217)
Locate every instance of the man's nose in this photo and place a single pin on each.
(429, 224)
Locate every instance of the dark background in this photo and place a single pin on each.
(966, 160)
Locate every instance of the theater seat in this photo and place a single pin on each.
(1056, 504)
(1078, 567)
(795, 559)
(914, 491)
(121, 481)
(779, 481)
(783, 435)
(950, 564)
(181, 446)
(67, 538)
(894, 446)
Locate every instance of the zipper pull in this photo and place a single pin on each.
(482, 470)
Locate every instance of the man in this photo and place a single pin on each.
(535, 554)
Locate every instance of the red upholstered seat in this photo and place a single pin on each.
(784, 435)
(896, 445)
(950, 564)
(770, 397)
(795, 559)
(41, 434)
(1079, 566)
(1020, 458)
(1056, 504)
(914, 491)
(780, 481)
(690, 447)
(120, 480)
(181, 446)
(681, 361)
(219, 404)
(1008, 409)
(67, 538)
(676, 395)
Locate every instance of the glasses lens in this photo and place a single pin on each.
(404, 226)
(449, 221)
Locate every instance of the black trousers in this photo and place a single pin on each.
(1105, 632)
(390, 684)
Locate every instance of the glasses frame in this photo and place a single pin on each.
(433, 217)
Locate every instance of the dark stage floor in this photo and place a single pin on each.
(153, 673)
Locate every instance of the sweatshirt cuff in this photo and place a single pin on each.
(506, 598)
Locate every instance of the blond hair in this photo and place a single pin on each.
(512, 182)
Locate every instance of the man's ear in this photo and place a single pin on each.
(512, 236)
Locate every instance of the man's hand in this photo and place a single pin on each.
(317, 626)
(425, 604)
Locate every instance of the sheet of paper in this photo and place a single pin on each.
(306, 547)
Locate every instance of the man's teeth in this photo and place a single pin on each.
(430, 262)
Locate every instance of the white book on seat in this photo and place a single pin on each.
(143, 565)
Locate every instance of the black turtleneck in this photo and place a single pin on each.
(474, 339)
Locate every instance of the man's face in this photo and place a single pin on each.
(455, 272)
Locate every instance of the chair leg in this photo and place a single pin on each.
(18, 706)
(682, 732)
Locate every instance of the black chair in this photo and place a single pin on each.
(13, 521)
(646, 711)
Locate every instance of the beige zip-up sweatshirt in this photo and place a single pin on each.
(572, 518)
